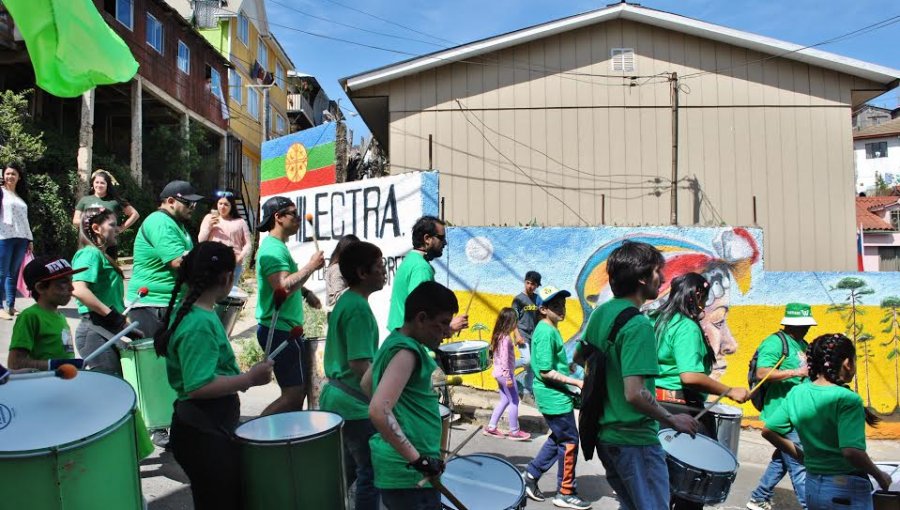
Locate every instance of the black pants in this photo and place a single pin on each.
(707, 428)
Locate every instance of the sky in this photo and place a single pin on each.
(437, 24)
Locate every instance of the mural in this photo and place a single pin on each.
(745, 306)
(300, 160)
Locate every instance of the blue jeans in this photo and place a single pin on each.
(411, 499)
(12, 252)
(527, 376)
(638, 474)
(780, 465)
(826, 492)
(561, 449)
(358, 462)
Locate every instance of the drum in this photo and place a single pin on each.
(445, 427)
(293, 460)
(466, 357)
(892, 469)
(229, 309)
(728, 424)
(146, 373)
(700, 469)
(889, 500)
(483, 482)
(314, 369)
(68, 444)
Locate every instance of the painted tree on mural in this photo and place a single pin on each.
(479, 327)
(851, 312)
(891, 306)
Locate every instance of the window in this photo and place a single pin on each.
(244, 29)
(895, 219)
(236, 86)
(876, 150)
(184, 58)
(253, 103)
(262, 55)
(280, 124)
(622, 59)
(279, 75)
(154, 33)
(125, 13)
(215, 82)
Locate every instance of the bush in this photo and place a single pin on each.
(50, 217)
(251, 353)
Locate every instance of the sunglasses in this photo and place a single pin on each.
(187, 203)
(442, 237)
(287, 213)
(224, 194)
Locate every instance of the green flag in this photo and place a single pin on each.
(71, 47)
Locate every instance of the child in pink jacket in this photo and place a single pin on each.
(504, 367)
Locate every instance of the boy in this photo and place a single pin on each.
(551, 373)
(404, 408)
(41, 338)
(527, 311)
(349, 349)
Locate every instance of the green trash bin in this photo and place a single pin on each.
(146, 372)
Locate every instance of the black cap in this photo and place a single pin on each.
(533, 276)
(47, 268)
(180, 189)
(272, 206)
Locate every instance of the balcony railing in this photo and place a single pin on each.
(298, 103)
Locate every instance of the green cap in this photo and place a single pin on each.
(798, 314)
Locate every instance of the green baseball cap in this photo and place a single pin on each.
(798, 314)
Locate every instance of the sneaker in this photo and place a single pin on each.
(4, 314)
(531, 488)
(160, 438)
(759, 504)
(493, 432)
(570, 501)
(518, 436)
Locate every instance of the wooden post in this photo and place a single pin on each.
(85, 154)
(430, 153)
(137, 137)
(754, 211)
(603, 209)
(673, 81)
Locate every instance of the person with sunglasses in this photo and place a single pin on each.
(223, 225)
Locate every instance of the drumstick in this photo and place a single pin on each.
(278, 298)
(109, 343)
(63, 372)
(471, 298)
(436, 481)
(296, 333)
(760, 383)
(143, 291)
(454, 453)
(309, 218)
(714, 402)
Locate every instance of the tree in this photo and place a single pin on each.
(881, 187)
(19, 141)
(850, 312)
(891, 306)
(479, 327)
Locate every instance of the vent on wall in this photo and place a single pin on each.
(622, 59)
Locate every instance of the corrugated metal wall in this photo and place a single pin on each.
(541, 131)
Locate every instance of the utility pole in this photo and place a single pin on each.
(265, 110)
(673, 86)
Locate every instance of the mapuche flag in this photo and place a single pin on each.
(300, 160)
(70, 45)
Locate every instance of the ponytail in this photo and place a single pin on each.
(826, 356)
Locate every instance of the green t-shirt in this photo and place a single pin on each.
(412, 271)
(102, 278)
(416, 411)
(273, 257)
(159, 241)
(681, 349)
(769, 354)
(352, 335)
(45, 335)
(198, 352)
(549, 353)
(827, 418)
(94, 202)
(632, 355)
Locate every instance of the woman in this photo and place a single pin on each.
(686, 357)
(15, 237)
(204, 373)
(103, 194)
(334, 282)
(225, 226)
(831, 422)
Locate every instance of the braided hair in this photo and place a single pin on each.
(201, 269)
(686, 295)
(826, 357)
(87, 236)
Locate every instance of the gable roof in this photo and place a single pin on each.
(661, 19)
(867, 219)
(883, 130)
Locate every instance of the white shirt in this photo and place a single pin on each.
(14, 217)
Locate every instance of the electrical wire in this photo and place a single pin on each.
(385, 20)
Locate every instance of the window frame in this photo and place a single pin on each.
(162, 35)
(187, 58)
(262, 51)
(243, 29)
(895, 219)
(282, 128)
(621, 53)
(279, 75)
(236, 86)
(870, 154)
(253, 105)
(130, 24)
(212, 81)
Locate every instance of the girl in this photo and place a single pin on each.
(15, 236)
(504, 371)
(831, 421)
(204, 373)
(225, 226)
(103, 194)
(335, 285)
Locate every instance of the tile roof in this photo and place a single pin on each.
(883, 130)
(870, 220)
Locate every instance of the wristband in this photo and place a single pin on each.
(304, 292)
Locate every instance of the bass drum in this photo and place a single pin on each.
(483, 482)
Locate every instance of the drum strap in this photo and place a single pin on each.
(214, 416)
(349, 390)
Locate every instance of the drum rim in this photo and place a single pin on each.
(304, 439)
(141, 344)
(737, 463)
(482, 346)
(522, 495)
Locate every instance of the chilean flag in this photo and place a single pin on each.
(859, 248)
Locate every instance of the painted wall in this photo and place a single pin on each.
(300, 160)
(749, 300)
(888, 166)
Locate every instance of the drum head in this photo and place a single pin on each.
(37, 414)
(445, 412)
(464, 346)
(724, 410)
(483, 482)
(289, 427)
(892, 469)
(700, 452)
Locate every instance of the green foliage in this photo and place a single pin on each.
(891, 306)
(314, 321)
(850, 311)
(19, 140)
(881, 188)
(51, 221)
(250, 353)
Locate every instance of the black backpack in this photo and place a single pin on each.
(593, 392)
(759, 396)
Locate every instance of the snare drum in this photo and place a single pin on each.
(728, 424)
(483, 482)
(69, 444)
(146, 373)
(700, 469)
(230, 308)
(466, 357)
(445, 427)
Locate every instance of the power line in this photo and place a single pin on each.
(379, 18)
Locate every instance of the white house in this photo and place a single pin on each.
(876, 149)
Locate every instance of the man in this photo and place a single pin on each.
(349, 348)
(429, 240)
(404, 408)
(791, 372)
(276, 269)
(627, 443)
(527, 311)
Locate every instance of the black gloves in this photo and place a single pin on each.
(428, 466)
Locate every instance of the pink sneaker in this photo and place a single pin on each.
(518, 436)
(493, 432)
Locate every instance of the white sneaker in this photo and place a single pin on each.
(754, 504)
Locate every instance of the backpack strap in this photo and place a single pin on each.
(620, 322)
(784, 343)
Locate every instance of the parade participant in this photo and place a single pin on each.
(790, 372)
(41, 338)
(204, 373)
(551, 373)
(276, 269)
(349, 348)
(15, 236)
(103, 194)
(225, 226)
(404, 408)
(501, 351)
(428, 240)
(686, 358)
(628, 446)
(335, 284)
(526, 310)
